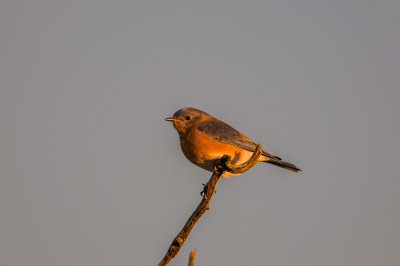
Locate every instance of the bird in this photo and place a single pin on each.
(204, 139)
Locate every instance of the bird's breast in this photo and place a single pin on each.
(203, 151)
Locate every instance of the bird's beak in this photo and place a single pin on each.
(171, 119)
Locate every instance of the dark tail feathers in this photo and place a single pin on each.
(283, 164)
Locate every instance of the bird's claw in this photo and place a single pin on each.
(220, 166)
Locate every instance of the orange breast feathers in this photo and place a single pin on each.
(204, 148)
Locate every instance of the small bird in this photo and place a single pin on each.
(205, 139)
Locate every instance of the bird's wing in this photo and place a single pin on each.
(224, 133)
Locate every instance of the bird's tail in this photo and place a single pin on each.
(278, 162)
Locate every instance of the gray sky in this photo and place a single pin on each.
(92, 175)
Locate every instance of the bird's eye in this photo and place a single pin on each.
(188, 117)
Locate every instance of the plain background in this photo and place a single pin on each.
(92, 175)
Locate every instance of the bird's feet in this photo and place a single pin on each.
(220, 166)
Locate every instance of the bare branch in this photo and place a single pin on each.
(191, 257)
(241, 168)
(224, 164)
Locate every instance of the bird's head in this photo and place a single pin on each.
(185, 118)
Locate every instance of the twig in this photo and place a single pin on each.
(223, 164)
(191, 257)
